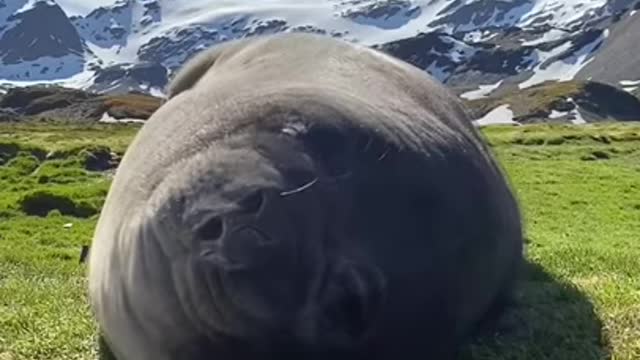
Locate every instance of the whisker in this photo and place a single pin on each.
(300, 189)
(368, 144)
(386, 152)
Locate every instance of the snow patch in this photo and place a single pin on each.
(30, 4)
(372, 13)
(549, 36)
(500, 115)
(81, 7)
(481, 92)
(577, 118)
(106, 118)
(555, 114)
(630, 85)
(630, 82)
(157, 92)
(561, 13)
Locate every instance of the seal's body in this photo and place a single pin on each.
(302, 196)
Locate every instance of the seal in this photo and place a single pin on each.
(299, 196)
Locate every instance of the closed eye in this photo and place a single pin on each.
(252, 203)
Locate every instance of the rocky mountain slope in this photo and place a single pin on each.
(479, 48)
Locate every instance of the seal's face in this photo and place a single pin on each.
(264, 231)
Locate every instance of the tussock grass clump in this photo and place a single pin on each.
(41, 202)
(23, 164)
(90, 157)
(9, 150)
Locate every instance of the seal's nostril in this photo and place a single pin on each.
(253, 202)
(212, 229)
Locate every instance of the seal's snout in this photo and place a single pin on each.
(246, 237)
(237, 237)
(253, 252)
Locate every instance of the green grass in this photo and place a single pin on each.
(578, 187)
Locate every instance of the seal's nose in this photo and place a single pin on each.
(245, 237)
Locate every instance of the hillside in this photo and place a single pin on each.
(125, 45)
(576, 102)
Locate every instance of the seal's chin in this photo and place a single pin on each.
(343, 315)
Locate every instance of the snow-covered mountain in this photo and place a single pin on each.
(475, 46)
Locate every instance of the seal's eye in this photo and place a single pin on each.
(252, 203)
(331, 145)
(211, 230)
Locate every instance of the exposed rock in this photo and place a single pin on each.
(38, 99)
(73, 104)
(463, 15)
(8, 115)
(617, 59)
(29, 40)
(107, 26)
(124, 78)
(178, 45)
(386, 14)
(438, 53)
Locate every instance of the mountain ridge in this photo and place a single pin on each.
(476, 47)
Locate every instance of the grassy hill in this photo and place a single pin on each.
(578, 187)
(595, 101)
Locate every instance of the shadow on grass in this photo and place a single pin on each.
(104, 353)
(550, 320)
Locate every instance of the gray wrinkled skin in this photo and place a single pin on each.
(302, 197)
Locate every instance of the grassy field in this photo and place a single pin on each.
(579, 188)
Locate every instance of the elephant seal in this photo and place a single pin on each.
(299, 196)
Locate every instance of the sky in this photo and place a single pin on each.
(81, 7)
